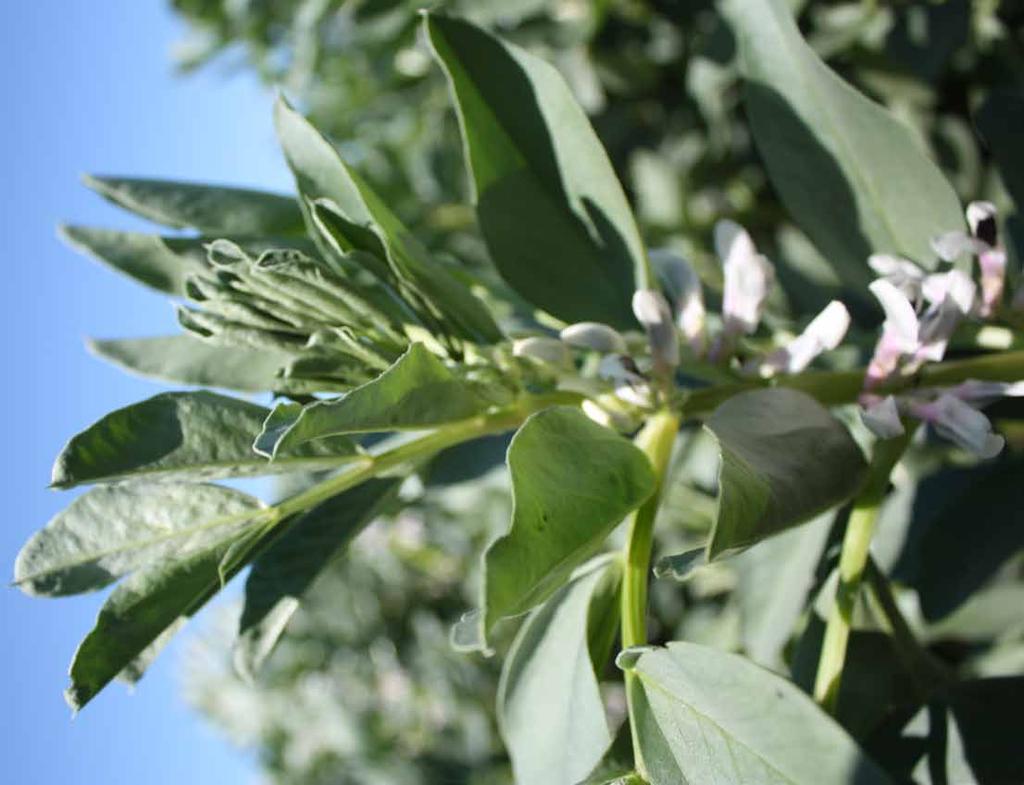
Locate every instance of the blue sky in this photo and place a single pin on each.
(89, 87)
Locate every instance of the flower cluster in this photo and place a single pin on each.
(922, 311)
(676, 321)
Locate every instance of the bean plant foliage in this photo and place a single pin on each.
(824, 487)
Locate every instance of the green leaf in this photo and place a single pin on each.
(1001, 122)
(183, 359)
(108, 532)
(550, 207)
(573, 482)
(322, 174)
(945, 566)
(185, 435)
(549, 700)
(854, 178)
(785, 459)
(161, 263)
(210, 209)
(616, 764)
(144, 608)
(282, 574)
(774, 584)
(703, 715)
(416, 392)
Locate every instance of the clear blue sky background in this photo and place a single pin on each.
(89, 86)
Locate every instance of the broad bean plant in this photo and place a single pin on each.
(671, 423)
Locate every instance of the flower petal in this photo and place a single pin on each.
(686, 293)
(900, 326)
(651, 309)
(901, 273)
(824, 333)
(748, 278)
(594, 336)
(952, 245)
(981, 217)
(982, 393)
(962, 424)
(881, 416)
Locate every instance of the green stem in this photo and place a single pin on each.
(853, 560)
(656, 440)
(417, 449)
(925, 671)
(834, 388)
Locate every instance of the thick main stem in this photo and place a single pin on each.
(853, 560)
(656, 440)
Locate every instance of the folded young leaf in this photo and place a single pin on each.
(146, 605)
(161, 263)
(282, 575)
(703, 715)
(784, 460)
(183, 359)
(210, 209)
(418, 391)
(854, 178)
(573, 482)
(322, 174)
(550, 207)
(549, 701)
(186, 435)
(108, 532)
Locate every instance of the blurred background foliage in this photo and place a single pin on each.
(365, 687)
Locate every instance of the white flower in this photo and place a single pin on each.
(652, 311)
(619, 368)
(959, 422)
(550, 351)
(882, 417)
(951, 296)
(982, 242)
(748, 278)
(824, 333)
(594, 336)
(684, 289)
(901, 273)
(899, 331)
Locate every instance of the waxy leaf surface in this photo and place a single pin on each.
(550, 207)
(573, 482)
(785, 459)
(853, 177)
(110, 531)
(549, 703)
(186, 435)
(706, 716)
(418, 391)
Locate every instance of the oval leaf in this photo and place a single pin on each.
(551, 209)
(573, 482)
(853, 177)
(784, 460)
(549, 700)
(109, 532)
(193, 435)
(418, 391)
(210, 209)
(703, 715)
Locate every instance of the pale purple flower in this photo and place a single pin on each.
(951, 296)
(684, 289)
(900, 332)
(901, 273)
(748, 278)
(982, 242)
(652, 311)
(594, 336)
(881, 416)
(982, 393)
(824, 333)
(959, 422)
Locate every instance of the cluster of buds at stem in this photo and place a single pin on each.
(674, 319)
(922, 311)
